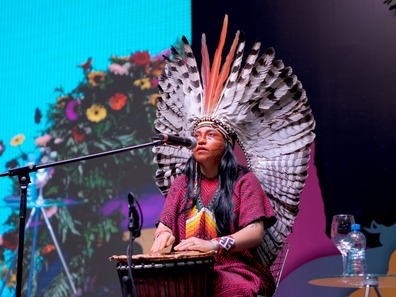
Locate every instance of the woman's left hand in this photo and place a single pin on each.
(194, 244)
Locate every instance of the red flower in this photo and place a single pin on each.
(118, 101)
(10, 240)
(141, 58)
(47, 249)
(78, 134)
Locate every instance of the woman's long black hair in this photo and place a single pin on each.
(229, 172)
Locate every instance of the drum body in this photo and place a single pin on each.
(184, 274)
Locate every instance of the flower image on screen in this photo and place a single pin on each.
(78, 79)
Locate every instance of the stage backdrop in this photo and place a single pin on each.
(343, 52)
(77, 78)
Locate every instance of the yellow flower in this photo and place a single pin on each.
(96, 113)
(11, 281)
(153, 99)
(17, 140)
(143, 83)
(96, 77)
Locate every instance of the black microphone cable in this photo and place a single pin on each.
(133, 234)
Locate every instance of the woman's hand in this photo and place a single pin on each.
(194, 244)
(163, 238)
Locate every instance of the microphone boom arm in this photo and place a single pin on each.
(32, 168)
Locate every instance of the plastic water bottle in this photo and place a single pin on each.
(356, 260)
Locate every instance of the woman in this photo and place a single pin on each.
(211, 202)
(218, 205)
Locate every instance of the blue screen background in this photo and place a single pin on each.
(42, 44)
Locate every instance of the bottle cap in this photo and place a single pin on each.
(355, 227)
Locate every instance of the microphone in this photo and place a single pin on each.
(188, 142)
(134, 220)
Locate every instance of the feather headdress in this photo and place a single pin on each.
(262, 102)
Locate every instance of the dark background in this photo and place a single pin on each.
(344, 53)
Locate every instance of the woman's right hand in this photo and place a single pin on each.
(163, 238)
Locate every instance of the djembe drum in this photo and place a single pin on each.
(180, 274)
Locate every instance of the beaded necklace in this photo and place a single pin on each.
(201, 221)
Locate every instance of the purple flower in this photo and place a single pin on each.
(72, 110)
(166, 53)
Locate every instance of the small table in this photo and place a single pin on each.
(367, 281)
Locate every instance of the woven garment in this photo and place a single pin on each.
(236, 273)
(260, 101)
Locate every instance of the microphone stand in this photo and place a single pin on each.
(134, 226)
(24, 180)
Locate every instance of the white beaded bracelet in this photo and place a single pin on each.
(215, 245)
(226, 243)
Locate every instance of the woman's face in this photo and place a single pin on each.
(210, 146)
